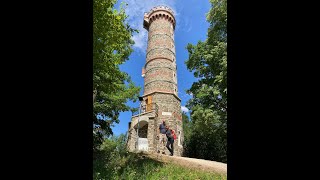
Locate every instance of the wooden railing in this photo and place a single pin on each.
(147, 108)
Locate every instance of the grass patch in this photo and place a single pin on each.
(134, 166)
(112, 162)
(170, 171)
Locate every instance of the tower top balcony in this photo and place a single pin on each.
(158, 12)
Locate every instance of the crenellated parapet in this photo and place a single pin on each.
(159, 12)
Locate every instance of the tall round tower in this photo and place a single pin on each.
(160, 97)
(160, 83)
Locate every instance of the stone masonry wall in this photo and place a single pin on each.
(161, 63)
(169, 104)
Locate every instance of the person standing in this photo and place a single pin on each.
(162, 137)
(170, 140)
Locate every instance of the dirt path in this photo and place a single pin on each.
(206, 165)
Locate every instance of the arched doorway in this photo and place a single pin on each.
(142, 133)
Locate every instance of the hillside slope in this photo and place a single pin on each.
(201, 164)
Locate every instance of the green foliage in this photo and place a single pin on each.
(112, 161)
(208, 60)
(111, 47)
(185, 124)
(110, 158)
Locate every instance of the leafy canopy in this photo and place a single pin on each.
(112, 88)
(208, 61)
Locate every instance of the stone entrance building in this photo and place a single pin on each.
(160, 97)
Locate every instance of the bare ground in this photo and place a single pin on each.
(192, 163)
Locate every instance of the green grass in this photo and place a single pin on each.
(134, 166)
(170, 171)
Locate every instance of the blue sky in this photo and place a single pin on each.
(191, 27)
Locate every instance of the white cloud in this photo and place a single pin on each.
(139, 40)
(184, 109)
(189, 29)
(135, 10)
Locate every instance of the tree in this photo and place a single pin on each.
(185, 124)
(186, 133)
(111, 47)
(208, 106)
(111, 158)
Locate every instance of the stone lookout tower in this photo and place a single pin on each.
(160, 97)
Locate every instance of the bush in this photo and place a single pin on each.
(109, 158)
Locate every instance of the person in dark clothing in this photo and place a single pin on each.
(162, 137)
(170, 140)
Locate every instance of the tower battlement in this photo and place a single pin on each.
(159, 12)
